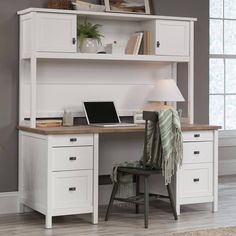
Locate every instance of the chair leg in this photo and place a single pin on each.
(113, 194)
(146, 201)
(172, 202)
(137, 193)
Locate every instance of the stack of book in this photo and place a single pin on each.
(45, 123)
(139, 43)
(85, 6)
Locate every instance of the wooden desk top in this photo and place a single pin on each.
(85, 129)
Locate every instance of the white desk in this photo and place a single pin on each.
(58, 168)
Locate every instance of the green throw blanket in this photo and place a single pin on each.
(167, 152)
(171, 143)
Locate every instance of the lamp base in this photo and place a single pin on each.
(156, 106)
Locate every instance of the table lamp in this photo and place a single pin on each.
(165, 90)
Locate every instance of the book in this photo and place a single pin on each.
(134, 43)
(145, 47)
(46, 123)
(85, 6)
(147, 43)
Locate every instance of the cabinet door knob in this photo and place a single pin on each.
(158, 44)
(73, 41)
(72, 158)
(197, 135)
(196, 180)
(73, 139)
(196, 152)
(72, 189)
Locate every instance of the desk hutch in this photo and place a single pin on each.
(58, 168)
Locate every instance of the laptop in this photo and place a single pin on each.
(103, 114)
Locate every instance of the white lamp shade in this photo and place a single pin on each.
(165, 90)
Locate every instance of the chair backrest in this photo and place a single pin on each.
(148, 152)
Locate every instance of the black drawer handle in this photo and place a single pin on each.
(158, 44)
(196, 152)
(73, 41)
(72, 189)
(73, 139)
(197, 135)
(73, 158)
(196, 180)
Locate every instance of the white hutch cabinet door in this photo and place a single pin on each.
(56, 32)
(172, 38)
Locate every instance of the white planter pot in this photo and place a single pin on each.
(89, 45)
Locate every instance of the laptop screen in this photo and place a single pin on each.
(101, 112)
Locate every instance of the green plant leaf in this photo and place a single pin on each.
(88, 30)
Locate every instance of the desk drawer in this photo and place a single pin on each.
(190, 136)
(198, 152)
(72, 140)
(72, 189)
(72, 158)
(196, 180)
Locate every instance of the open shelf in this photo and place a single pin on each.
(110, 57)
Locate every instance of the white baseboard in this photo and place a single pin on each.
(9, 203)
(227, 167)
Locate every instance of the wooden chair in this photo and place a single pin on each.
(144, 172)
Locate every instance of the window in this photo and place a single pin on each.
(222, 89)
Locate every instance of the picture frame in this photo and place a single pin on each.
(128, 6)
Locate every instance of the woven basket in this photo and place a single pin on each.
(60, 4)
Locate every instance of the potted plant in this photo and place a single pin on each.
(88, 37)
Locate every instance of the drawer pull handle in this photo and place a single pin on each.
(73, 139)
(197, 135)
(72, 189)
(196, 180)
(73, 158)
(196, 152)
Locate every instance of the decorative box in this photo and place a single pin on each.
(115, 48)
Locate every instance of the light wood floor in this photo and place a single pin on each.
(124, 222)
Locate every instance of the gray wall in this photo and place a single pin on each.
(9, 73)
(9, 90)
(200, 10)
